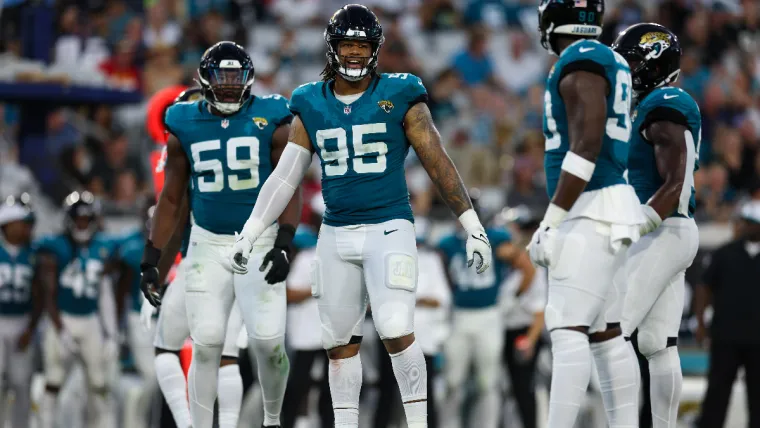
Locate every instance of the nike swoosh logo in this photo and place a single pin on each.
(482, 239)
(584, 50)
(388, 232)
(667, 97)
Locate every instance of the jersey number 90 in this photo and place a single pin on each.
(336, 161)
(618, 127)
(234, 181)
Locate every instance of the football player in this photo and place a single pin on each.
(20, 307)
(225, 146)
(476, 331)
(361, 125)
(593, 216)
(663, 155)
(74, 267)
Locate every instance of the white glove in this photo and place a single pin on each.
(653, 220)
(477, 242)
(241, 252)
(69, 345)
(541, 247)
(146, 314)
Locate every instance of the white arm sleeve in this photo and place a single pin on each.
(277, 191)
(108, 307)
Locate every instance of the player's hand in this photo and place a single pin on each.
(478, 246)
(146, 314)
(151, 289)
(240, 253)
(541, 246)
(279, 256)
(24, 340)
(653, 220)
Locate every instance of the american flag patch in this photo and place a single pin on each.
(580, 3)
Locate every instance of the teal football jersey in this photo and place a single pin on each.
(80, 270)
(470, 289)
(592, 56)
(16, 272)
(362, 147)
(230, 157)
(674, 105)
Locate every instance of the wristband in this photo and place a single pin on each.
(285, 236)
(653, 218)
(151, 255)
(578, 166)
(470, 221)
(554, 215)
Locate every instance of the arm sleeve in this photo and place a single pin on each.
(108, 307)
(277, 191)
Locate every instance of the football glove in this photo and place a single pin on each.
(279, 256)
(240, 253)
(653, 220)
(542, 244)
(149, 284)
(477, 241)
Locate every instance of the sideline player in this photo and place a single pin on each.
(593, 216)
(74, 268)
(664, 153)
(226, 145)
(361, 126)
(476, 326)
(20, 308)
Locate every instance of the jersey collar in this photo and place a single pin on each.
(330, 95)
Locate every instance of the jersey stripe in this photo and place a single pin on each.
(688, 181)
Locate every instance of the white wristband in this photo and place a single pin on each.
(578, 166)
(554, 215)
(470, 221)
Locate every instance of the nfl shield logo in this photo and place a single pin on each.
(347, 109)
(225, 123)
(580, 3)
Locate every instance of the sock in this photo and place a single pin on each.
(171, 380)
(345, 378)
(230, 397)
(49, 410)
(411, 376)
(100, 410)
(665, 380)
(274, 368)
(203, 374)
(619, 380)
(571, 373)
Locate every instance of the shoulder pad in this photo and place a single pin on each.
(277, 108)
(299, 99)
(671, 97)
(405, 87)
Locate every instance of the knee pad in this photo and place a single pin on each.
(651, 343)
(393, 320)
(205, 354)
(209, 334)
(270, 353)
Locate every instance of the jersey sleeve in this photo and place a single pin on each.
(171, 118)
(298, 99)
(413, 91)
(279, 110)
(131, 254)
(586, 55)
(671, 105)
(48, 245)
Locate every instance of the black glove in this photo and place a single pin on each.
(279, 256)
(149, 285)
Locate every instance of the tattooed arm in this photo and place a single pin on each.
(426, 141)
(424, 137)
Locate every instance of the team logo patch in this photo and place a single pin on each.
(656, 41)
(260, 122)
(347, 109)
(386, 105)
(225, 123)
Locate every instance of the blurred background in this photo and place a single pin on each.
(75, 77)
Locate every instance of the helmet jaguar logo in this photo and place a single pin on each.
(658, 42)
(386, 105)
(260, 122)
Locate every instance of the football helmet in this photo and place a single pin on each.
(580, 19)
(654, 54)
(225, 75)
(82, 216)
(353, 22)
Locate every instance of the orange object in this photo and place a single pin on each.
(154, 119)
(186, 356)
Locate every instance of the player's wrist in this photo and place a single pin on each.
(554, 215)
(285, 235)
(653, 219)
(470, 222)
(252, 229)
(578, 166)
(151, 255)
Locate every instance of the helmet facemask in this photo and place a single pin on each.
(225, 87)
(353, 68)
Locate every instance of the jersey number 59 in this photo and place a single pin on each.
(235, 182)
